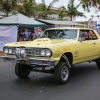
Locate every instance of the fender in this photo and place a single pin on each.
(66, 59)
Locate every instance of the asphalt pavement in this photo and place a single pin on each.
(83, 84)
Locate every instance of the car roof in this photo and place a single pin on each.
(69, 28)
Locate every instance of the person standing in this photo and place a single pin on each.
(37, 33)
(20, 36)
(40, 31)
(26, 34)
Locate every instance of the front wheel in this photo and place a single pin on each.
(98, 62)
(61, 73)
(20, 71)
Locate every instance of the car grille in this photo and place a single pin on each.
(29, 51)
(33, 51)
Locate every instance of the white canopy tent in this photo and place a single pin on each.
(9, 27)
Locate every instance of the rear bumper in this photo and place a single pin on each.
(31, 61)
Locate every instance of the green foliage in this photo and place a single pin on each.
(62, 13)
(87, 4)
(71, 10)
(8, 6)
(44, 10)
(28, 8)
(41, 10)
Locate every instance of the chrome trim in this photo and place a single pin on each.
(32, 61)
(30, 51)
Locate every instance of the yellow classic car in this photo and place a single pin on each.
(55, 52)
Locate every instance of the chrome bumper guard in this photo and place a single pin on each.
(31, 61)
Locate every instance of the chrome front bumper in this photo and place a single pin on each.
(31, 61)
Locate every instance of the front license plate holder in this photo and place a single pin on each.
(24, 62)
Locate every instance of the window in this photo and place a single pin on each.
(87, 35)
(94, 37)
(63, 34)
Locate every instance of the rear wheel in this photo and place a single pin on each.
(61, 73)
(98, 62)
(20, 71)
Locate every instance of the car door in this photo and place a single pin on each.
(87, 47)
(97, 43)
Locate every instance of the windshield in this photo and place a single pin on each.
(61, 34)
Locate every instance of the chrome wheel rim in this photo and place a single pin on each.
(64, 73)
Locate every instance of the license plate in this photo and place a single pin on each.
(24, 62)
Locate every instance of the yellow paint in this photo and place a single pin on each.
(66, 49)
(81, 51)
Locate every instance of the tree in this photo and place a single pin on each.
(71, 10)
(44, 10)
(61, 13)
(87, 4)
(7, 6)
(28, 8)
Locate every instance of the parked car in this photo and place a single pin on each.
(55, 52)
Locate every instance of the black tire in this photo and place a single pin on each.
(61, 73)
(98, 62)
(20, 72)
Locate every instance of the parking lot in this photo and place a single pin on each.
(83, 84)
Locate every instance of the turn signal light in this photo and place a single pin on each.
(44, 62)
(7, 58)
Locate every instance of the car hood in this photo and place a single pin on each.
(42, 42)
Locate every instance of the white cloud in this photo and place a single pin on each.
(65, 2)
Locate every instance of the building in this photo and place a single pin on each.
(58, 23)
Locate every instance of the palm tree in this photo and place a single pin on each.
(28, 8)
(71, 10)
(86, 4)
(61, 13)
(44, 10)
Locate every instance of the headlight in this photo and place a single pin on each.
(6, 50)
(10, 51)
(17, 52)
(23, 53)
(45, 52)
(48, 52)
(20, 52)
(42, 52)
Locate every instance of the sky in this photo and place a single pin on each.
(65, 2)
